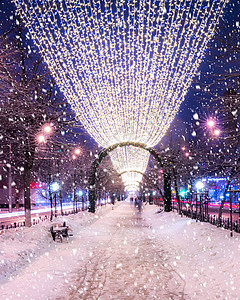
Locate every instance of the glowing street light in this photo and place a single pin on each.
(199, 185)
(48, 128)
(55, 186)
(212, 126)
(217, 132)
(77, 151)
(210, 123)
(45, 133)
(80, 193)
(41, 139)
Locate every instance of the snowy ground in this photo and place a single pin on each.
(115, 254)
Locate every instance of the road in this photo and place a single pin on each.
(36, 213)
(18, 216)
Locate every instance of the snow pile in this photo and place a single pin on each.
(20, 246)
(206, 257)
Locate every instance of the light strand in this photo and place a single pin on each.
(125, 66)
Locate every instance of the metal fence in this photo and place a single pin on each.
(201, 214)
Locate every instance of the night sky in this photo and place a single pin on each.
(212, 64)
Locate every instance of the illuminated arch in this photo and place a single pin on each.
(103, 153)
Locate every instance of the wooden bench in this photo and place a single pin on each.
(60, 232)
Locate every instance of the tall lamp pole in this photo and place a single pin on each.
(74, 187)
(10, 180)
(77, 152)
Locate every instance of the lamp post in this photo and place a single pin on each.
(44, 134)
(199, 186)
(10, 180)
(231, 225)
(76, 153)
(212, 126)
(55, 188)
(80, 194)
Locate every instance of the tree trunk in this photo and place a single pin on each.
(27, 195)
(82, 203)
(51, 203)
(76, 204)
(176, 190)
(92, 199)
(55, 204)
(191, 199)
(60, 197)
(92, 188)
(167, 192)
(150, 199)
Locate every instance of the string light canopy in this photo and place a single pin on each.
(128, 158)
(125, 158)
(131, 188)
(124, 66)
(131, 178)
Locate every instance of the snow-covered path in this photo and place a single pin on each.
(115, 255)
(127, 261)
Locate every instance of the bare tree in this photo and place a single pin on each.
(220, 97)
(29, 100)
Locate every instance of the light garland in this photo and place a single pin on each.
(125, 66)
(131, 178)
(131, 188)
(128, 158)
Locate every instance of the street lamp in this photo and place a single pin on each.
(48, 128)
(76, 152)
(216, 132)
(80, 193)
(199, 185)
(185, 151)
(45, 132)
(213, 128)
(54, 187)
(210, 123)
(41, 139)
